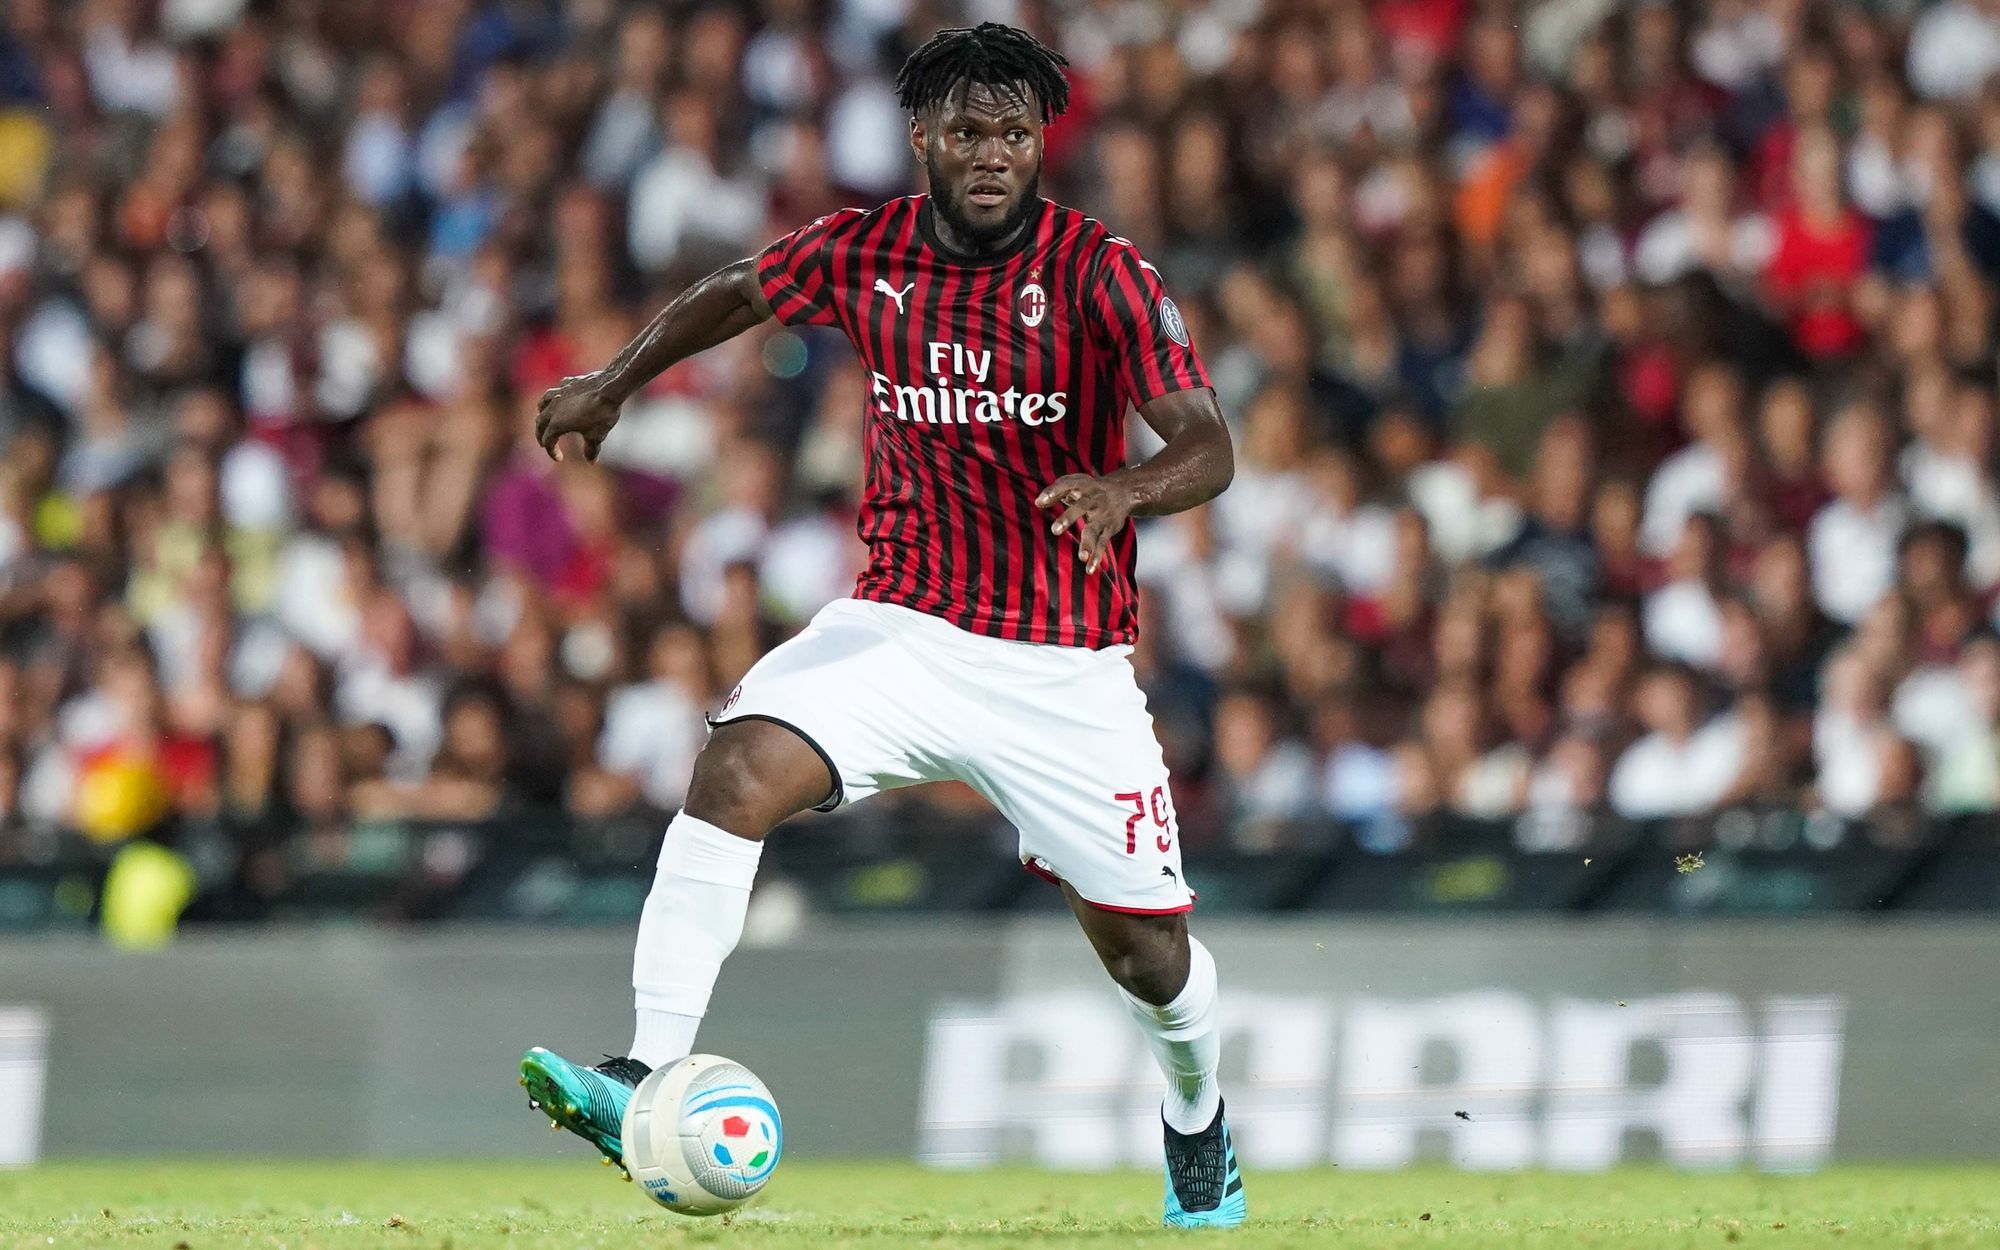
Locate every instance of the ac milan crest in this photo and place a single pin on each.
(1033, 303)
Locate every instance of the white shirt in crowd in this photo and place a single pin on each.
(1736, 44)
(1934, 708)
(672, 435)
(257, 651)
(1556, 818)
(1187, 586)
(1358, 546)
(52, 349)
(679, 198)
(1853, 556)
(1658, 777)
(1282, 787)
(254, 485)
(1689, 481)
(1954, 49)
(864, 132)
(183, 20)
(1263, 516)
(1669, 246)
(724, 537)
(1847, 757)
(380, 160)
(410, 705)
(1876, 180)
(1463, 525)
(1493, 787)
(1683, 622)
(809, 561)
(130, 77)
(1359, 782)
(624, 131)
(1957, 489)
(312, 599)
(652, 732)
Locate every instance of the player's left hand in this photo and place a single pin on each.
(1099, 505)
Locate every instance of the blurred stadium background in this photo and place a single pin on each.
(1584, 708)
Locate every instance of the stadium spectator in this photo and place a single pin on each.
(1687, 763)
(1852, 540)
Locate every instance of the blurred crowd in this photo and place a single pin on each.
(1613, 386)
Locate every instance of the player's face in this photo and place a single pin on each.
(983, 152)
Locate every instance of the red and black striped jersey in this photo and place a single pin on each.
(989, 378)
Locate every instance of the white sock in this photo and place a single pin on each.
(663, 1036)
(692, 920)
(1186, 1035)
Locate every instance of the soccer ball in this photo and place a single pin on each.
(702, 1135)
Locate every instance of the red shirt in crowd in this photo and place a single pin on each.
(1811, 276)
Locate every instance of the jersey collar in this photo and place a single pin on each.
(928, 231)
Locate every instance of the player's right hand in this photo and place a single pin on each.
(1098, 507)
(576, 405)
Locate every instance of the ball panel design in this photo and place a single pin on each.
(728, 1101)
(702, 1135)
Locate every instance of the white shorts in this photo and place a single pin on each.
(1057, 738)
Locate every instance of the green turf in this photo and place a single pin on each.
(574, 1206)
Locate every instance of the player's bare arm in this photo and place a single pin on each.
(1194, 467)
(713, 310)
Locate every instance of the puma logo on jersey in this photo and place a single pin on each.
(882, 287)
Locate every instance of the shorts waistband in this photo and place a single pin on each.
(937, 631)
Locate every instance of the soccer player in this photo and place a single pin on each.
(988, 639)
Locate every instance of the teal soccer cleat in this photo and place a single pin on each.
(589, 1102)
(1204, 1185)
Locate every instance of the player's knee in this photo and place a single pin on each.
(725, 792)
(1153, 978)
(748, 778)
(1149, 962)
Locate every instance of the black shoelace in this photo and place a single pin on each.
(624, 1069)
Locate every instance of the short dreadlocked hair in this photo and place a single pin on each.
(988, 55)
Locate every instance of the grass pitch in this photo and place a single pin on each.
(573, 1206)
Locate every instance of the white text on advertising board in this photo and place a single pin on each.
(1487, 1079)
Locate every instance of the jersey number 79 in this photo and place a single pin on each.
(1159, 807)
